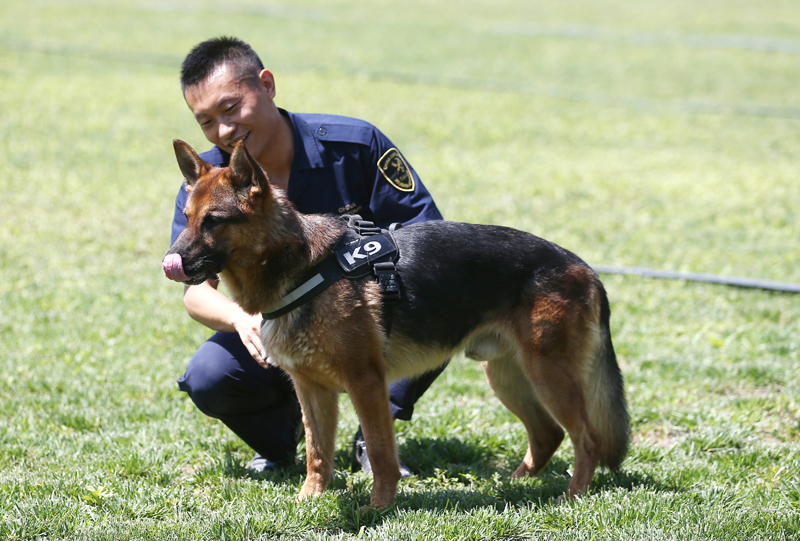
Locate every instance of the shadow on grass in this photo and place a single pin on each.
(451, 474)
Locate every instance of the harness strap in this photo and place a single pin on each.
(385, 271)
(390, 291)
(353, 257)
(315, 281)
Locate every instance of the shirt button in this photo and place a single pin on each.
(322, 131)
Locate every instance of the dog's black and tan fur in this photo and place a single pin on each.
(534, 314)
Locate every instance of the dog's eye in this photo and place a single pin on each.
(212, 221)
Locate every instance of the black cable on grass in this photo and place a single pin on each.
(701, 277)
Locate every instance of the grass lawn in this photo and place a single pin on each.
(655, 134)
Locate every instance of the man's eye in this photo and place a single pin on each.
(232, 107)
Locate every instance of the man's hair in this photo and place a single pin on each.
(210, 54)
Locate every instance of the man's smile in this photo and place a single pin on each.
(232, 142)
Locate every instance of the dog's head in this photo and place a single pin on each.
(221, 204)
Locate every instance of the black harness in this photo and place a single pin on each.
(362, 249)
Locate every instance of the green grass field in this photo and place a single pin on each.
(655, 134)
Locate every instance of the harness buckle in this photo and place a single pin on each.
(387, 279)
(361, 226)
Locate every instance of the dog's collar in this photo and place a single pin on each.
(355, 254)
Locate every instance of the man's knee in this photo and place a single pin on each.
(204, 381)
(222, 379)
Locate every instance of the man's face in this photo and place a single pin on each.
(229, 109)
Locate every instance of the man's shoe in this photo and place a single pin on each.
(362, 460)
(261, 464)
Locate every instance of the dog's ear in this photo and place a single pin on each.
(192, 166)
(246, 175)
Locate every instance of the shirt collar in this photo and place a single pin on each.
(306, 148)
(307, 155)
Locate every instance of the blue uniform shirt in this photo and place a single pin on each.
(342, 166)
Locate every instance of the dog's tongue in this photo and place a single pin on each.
(173, 268)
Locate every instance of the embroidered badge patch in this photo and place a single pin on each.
(396, 170)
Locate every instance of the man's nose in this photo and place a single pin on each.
(226, 130)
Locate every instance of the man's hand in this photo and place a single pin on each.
(206, 304)
(249, 329)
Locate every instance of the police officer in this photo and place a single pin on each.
(326, 164)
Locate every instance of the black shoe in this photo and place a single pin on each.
(261, 464)
(362, 460)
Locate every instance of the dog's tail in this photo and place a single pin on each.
(605, 394)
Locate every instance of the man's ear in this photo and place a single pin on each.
(246, 175)
(192, 166)
(267, 80)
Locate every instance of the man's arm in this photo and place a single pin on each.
(207, 305)
(402, 199)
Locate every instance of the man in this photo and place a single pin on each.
(325, 164)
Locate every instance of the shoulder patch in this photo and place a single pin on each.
(396, 171)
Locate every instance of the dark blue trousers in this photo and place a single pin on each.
(259, 404)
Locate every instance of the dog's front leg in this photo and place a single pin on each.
(370, 398)
(320, 407)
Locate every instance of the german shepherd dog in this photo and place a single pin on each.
(534, 314)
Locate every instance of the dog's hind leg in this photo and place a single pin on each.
(558, 385)
(320, 411)
(370, 398)
(515, 391)
(558, 337)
